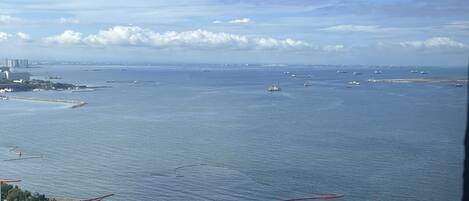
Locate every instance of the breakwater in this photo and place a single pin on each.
(73, 103)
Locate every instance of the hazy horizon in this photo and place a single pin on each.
(391, 32)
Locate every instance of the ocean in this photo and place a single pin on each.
(213, 132)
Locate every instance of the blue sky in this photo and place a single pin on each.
(386, 32)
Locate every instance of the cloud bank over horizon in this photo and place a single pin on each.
(330, 32)
(196, 39)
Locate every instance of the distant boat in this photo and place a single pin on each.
(293, 75)
(414, 71)
(341, 71)
(82, 90)
(458, 85)
(308, 83)
(423, 72)
(54, 77)
(377, 72)
(6, 90)
(274, 87)
(354, 83)
(357, 73)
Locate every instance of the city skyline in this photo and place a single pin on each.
(391, 32)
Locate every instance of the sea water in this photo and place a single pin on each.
(213, 132)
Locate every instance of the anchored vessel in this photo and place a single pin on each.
(274, 87)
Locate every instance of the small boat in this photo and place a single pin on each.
(357, 73)
(414, 71)
(341, 71)
(6, 90)
(308, 83)
(423, 72)
(82, 90)
(54, 77)
(372, 80)
(274, 87)
(293, 75)
(354, 83)
(378, 72)
(458, 85)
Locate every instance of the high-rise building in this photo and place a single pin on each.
(16, 63)
(23, 63)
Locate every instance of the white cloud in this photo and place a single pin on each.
(271, 43)
(197, 39)
(68, 21)
(433, 43)
(4, 36)
(217, 22)
(462, 25)
(18, 37)
(23, 36)
(6, 19)
(353, 28)
(240, 21)
(67, 37)
(334, 48)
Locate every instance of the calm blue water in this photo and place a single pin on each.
(199, 132)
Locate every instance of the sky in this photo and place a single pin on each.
(336, 32)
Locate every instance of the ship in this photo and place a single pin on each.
(274, 87)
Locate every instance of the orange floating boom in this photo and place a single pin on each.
(6, 181)
(317, 197)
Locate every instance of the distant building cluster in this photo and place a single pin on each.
(16, 63)
(7, 71)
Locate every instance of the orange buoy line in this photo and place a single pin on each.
(317, 197)
(7, 181)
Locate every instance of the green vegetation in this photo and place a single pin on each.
(13, 193)
(36, 84)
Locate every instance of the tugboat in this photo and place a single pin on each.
(274, 87)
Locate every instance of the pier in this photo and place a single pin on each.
(74, 103)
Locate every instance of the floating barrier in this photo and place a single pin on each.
(75, 103)
(21, 155)
(23, 158)
(318, 197)
(99, 198)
